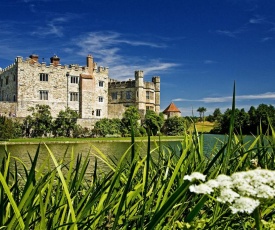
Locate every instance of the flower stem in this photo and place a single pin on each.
(257, 218)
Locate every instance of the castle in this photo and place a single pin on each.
(85, 89)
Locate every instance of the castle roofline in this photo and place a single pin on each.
(171, 108)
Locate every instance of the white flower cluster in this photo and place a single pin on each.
(242, 190)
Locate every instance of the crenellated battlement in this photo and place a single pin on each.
(8, 68)
(121, 84)
(54, 64)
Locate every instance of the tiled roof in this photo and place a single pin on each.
(171, 108)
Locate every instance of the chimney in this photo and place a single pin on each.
(90, 63)
(34, 58)
(55, 60)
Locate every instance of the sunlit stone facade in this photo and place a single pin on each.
(85, 89)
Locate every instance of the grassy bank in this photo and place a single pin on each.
(85, 140)
(202, 127)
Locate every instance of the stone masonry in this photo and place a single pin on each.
(85, 89)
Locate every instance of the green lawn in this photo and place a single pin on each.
(203, 127)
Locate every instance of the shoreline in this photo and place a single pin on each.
(80, 142)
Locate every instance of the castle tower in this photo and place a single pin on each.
(140, 91)
(156, 81)
(172, 111)
(55, 60)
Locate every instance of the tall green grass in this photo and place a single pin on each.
(140, 191)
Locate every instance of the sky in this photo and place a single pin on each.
(199, 48)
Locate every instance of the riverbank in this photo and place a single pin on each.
(36, 141)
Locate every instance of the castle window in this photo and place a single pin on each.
(14, 97)
(14, 78)
(147, 95)
(73, 96)
(74, 79)
(100, 99)
(98, 112)
(101, 83)
(43, 95)
(128, 95)
(7, 80)
(44, 76)
(114, 95)
(1, 82)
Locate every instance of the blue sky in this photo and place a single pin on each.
(197, 47)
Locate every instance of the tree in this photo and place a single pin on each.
(153, 121)
(217, 114)
(6, 128)
(201, 110)
(265, 115)
(107, 126)
(175, 126)
(40, 123)
(65, 123)
(130, 117)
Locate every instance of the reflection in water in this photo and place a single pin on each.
(113, 150)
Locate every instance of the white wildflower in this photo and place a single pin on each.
(227, 195)
(255, 183)
(212, 183)
(195, 176)
(200, 189)
(224, 181)
(265, 191)
(244, 204)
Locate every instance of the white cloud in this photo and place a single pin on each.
(49, 29)
(227, 33)
(209, 62)
(257, 20)
(109, 48)
(268, 95)
(266, 39)
(53, 27)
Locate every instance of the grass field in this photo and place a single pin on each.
(203, 127)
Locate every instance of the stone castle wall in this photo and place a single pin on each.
(85, 89)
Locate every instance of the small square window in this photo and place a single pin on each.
(44, 76)
(74, 79)
(100, 99)
(101, 83)
(98, 112)
(43, 95)
(73, 96)
(114, 96)
(128, 95)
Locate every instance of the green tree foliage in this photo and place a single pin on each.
(153, 121)
(65, 123)
(247, 122)
(40, 123)
(131, 115)
(264, 115)
(217, 114)
(201, 111)
(175, 126)
(107, 126)
(6, 128)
